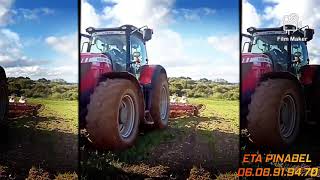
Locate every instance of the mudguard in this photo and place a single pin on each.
(148, 78)
(310, 75)
(149, 73)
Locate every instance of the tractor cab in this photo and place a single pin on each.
(124, 47)
(286, 50)
(279, 89)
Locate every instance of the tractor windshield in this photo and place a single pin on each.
(271, 44)
(113, 45)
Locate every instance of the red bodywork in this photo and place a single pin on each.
(253, 66)
(146, 74)
(310, 75)
(92, 66)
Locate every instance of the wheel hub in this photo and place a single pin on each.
(126, 116)
(288, 115)
(163, 103)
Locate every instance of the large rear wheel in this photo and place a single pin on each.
(314, 100)
(4, 101)
(275, 113)
(160, 102)
(113, 114)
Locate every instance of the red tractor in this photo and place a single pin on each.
(280, 90)
(4, 101)
(119, 91)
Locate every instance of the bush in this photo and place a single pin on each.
(219, 89)
(42, 88)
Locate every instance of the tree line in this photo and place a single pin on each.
(218, 89)
(42, 88)
(180, 86)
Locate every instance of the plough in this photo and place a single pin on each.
(21, 108)
(183, 108)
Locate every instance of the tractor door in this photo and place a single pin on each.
(138, 55)
(299, 56)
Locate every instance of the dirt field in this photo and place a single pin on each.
(44, 146)
(191, 147)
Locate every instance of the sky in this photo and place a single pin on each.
(39, 39)
(197, 39)
(270, 13)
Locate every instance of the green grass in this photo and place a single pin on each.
(59, 108)
(220, 108)
(64, 114)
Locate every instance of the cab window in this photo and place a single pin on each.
(137, 45)
(300, 47)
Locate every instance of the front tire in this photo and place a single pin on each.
(113, 114)
(160, 102)
(275, 113)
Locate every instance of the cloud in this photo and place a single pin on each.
(17, 64)
(228, 44)
(89, 16)
(309, 14)
(66, 45)
(273, 13)
(5, 6)
(154, 13)
(168, 47)
(67, 49)
(32, 14)
(11, 50)
(193, 14)
(37, 72)
(250, 16)
(13, 58)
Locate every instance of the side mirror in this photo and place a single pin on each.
(84, 47)
(136, 54)
(147, 34)
(308, 33)
(245, 44)
(297, 54)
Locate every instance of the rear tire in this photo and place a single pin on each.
(315, 103)
(160, 102)
(274, 102)
(4, 101)
(114, 103)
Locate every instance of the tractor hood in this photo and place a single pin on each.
(255, 58)
(253, 65)
(94, 57)
(92, 66)
(254, 61)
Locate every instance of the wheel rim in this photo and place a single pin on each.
(126, 116)
(163, 103)
(2, 103)
(287, 116)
